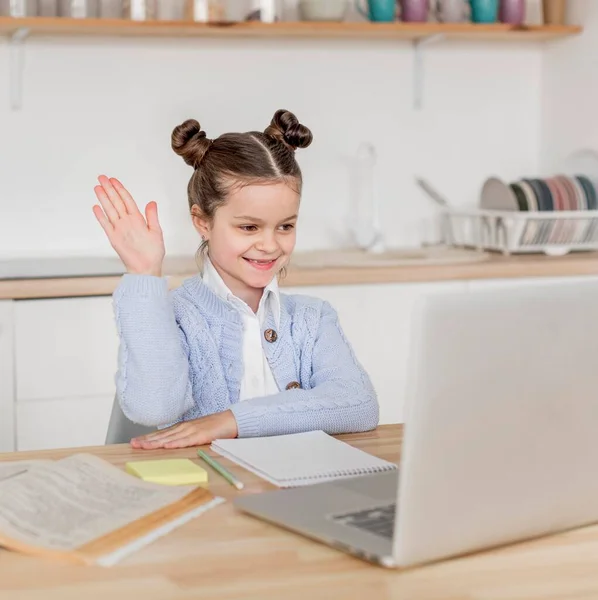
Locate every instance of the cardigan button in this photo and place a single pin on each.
(270, 335)
(294, 385)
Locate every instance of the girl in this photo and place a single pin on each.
(227, 354)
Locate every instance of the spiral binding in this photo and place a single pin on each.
(345, 473)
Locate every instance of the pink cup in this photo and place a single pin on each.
(414, 11)
(512, 11)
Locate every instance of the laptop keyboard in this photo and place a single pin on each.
(379, 521)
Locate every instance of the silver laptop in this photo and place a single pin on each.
(501, 434)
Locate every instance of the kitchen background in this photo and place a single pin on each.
(108, 104)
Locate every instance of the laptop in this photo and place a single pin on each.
(501, 433)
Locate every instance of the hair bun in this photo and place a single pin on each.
(286, 127)
(190, 142)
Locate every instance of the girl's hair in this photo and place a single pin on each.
(237, 159)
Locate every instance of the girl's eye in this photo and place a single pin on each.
(288, 227)
(248, 228)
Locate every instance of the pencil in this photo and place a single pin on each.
(220, 469)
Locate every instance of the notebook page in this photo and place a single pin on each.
(299, 458)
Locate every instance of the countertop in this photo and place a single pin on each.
(227, 555)
(71, 277)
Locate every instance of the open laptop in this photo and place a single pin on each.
(501, 433)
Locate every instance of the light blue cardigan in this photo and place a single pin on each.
(180, 358)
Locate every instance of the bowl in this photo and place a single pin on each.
(319, 10)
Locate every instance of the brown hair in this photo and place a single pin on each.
(239, 159)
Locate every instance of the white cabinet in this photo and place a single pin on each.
(62, 422)
(65, 361)
(58, 357)
(7, 416)
(64, 348)
(376, 319)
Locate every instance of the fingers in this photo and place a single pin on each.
(185, 442)
(180, 440)
(113, 196)
(179, 436)
(103, 220)
(151, 216)
(156, 439)
(127, 199)
(169, 437)
(108, 207)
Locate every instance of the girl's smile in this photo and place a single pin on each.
(262, 265)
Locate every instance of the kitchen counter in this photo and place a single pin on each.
(69, 277)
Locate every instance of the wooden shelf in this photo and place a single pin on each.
(313, 30)
(419, 34)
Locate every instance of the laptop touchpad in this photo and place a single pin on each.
(381, 486)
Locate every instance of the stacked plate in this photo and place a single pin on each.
(554, 215)
(559, 193)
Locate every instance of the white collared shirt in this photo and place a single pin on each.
(257, 379)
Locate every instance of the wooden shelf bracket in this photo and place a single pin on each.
(418, 67)
(17, 66)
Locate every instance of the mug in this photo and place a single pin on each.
(452, 11)
(554, 12)
(484, 11)
(512, 11)
(382, 11)
(414, 11)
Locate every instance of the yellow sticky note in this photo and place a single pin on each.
(171, 471)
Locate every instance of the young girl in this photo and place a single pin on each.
(226, 354)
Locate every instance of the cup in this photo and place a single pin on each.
(316, 10)
(512, 11)
(554, 12)
(484, 11)
(205, 11)
(381, 11)
(18, 8)
(452, 11)
(78, 9)
(414, 11)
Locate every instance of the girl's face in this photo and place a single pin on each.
(252, 237)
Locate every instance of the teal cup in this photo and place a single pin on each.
(380, 11)
(484, 11)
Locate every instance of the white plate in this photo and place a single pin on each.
(497, 195)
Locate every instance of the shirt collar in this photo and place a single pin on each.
(270, 298)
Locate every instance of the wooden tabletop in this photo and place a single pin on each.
(178, 269)
(225, 555)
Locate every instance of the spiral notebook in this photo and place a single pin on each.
(300, 458)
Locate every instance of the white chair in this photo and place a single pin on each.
(121, 429)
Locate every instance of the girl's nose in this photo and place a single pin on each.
(267, 243)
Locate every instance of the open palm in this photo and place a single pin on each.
(137, 240)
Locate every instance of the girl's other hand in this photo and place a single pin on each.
(137, 240)
(190, 433)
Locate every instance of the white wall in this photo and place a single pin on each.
(570, 90)
(109, 105)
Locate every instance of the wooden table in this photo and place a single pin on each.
(226, 555)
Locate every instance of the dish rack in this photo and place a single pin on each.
(513, 232)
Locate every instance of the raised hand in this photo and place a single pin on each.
(137, 240)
